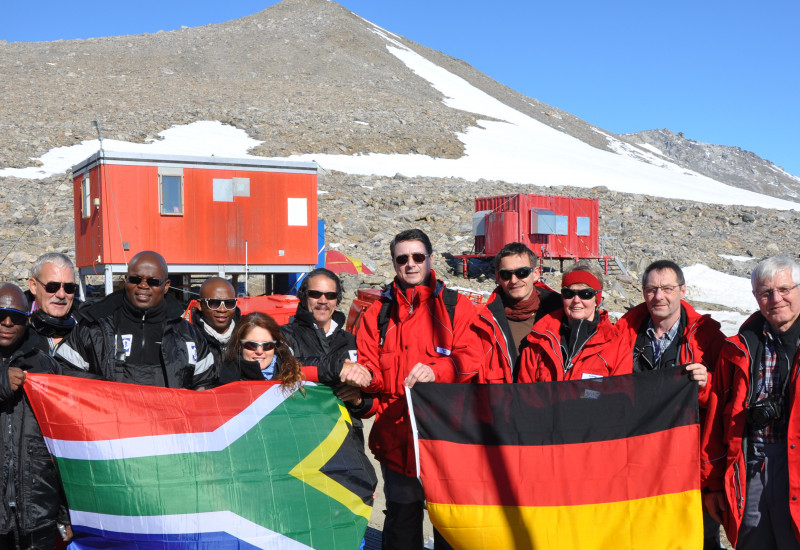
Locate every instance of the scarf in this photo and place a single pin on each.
(522, 309)
(224, 337)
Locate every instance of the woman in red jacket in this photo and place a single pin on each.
(577, 341)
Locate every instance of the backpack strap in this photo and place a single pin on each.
(450, 299)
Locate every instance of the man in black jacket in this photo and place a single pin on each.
(137, 335)
(31, 497)
(317, 337)
(52, 288)
(217, 316)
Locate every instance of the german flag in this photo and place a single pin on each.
(600, 463)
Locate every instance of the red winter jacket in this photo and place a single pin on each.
(492, 327)
(418, 331)
(723, 458)
(542, 360)
(700, 342)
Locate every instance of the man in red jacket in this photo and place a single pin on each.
(418, 331)
(519, 300)
(751, 443)
(665, 331)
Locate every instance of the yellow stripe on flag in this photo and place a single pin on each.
(308, 470)
(671, 522)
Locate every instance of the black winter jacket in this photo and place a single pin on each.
(217, 349)
(36, 489)
(93, 348)
(312, 348)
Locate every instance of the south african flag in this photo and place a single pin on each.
(242, 466)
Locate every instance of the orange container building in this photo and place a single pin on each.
(553, 227)
(205, 215)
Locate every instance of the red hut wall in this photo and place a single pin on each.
(208, 232)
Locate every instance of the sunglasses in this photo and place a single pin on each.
(521, 273)
(418, 258)
(151, 281)
(216, 303)
(583, 294)
(17, 317)
(53, 286)
(252, 345)
(317, 294)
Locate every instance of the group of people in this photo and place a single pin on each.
(420, 331)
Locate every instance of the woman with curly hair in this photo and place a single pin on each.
(257, 351)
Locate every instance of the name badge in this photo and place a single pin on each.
(443, 351)
(588, 375)
(353, 355)
(127, 340)
(591, 394)
(192, 349)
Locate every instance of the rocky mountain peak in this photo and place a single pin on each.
(731, 165)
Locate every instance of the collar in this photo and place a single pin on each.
(668, 336)
(224, 337)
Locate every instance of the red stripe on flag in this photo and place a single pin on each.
(661, 463)
(145, 411)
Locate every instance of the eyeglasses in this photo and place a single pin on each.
(766, 294)
(667, 290)
(17, 317)
(53, 286)
(520, 273)
(317, 294)
(216, 303)
(583, 294)
(418, 257)
(151, 281)
(252, 345)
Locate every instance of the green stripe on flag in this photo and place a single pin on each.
(259, 476)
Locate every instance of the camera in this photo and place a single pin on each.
(763, 412)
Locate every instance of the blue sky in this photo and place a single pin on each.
(721, 72)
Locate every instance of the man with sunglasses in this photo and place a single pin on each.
(137, 335)
(519, 300)
(751, 452)
(217, 315)
(408, 337)
(51, 289)
(318, 340)
(316, 332)
(664, 332)
(32, 504)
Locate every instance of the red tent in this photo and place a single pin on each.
(340, 263)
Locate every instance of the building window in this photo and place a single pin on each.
(170, 191)
(86, 197)
(584, 226)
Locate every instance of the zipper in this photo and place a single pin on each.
(737, 487)
(142, 329)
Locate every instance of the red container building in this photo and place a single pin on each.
(205, 215)
(553, 227)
